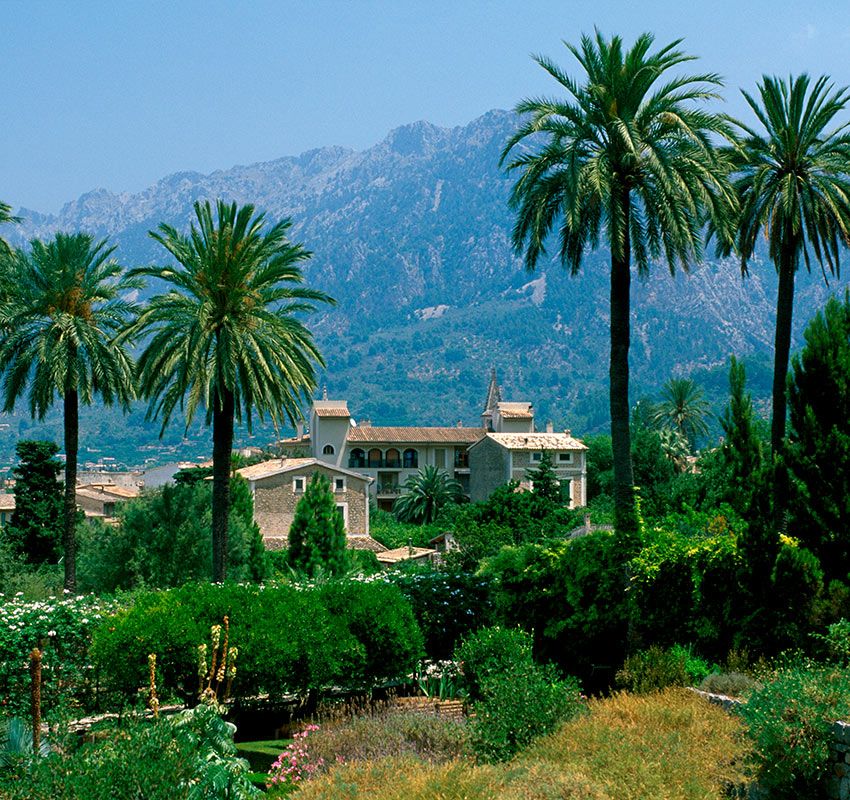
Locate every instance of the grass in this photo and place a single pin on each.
(671, 745)
(261, 754)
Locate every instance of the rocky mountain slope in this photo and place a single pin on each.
(412, 237)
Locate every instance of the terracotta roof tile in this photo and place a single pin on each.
(331, 408)
(537, 441)
(515, 410)
(404, 553)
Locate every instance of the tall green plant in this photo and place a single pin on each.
(425, 493)
(793, 180)
(36, 525)
(6, 217)
(683, 409)
(226, 335)
(61, 337)
(628, 159)
(317, 534)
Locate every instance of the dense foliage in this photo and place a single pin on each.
(317, 533)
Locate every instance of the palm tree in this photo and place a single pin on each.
(683, 409)
(628, 161)
(6, 216)
(61, 325)
(793, 182)
(226, 336)
(425, 494)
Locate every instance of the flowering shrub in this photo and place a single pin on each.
(295, 764)
(62, 628)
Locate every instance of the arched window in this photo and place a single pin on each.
(411, 459)
(392, 458)
(328, 450)
(374, 458)
(357, 459)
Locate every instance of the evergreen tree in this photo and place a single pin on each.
(317, 534)
(818, 454)
(544, 478)
(743, 451)
(425, 493)
(35, 530)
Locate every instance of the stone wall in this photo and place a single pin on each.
(488, 469)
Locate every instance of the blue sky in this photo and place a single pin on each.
(119, 94)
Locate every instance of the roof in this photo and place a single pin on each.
(537, 441)
(278, 466)
(515, 410)
(452, 435)
(361, 542)
(331, 408)
(7, 502)
(404, 553)
(112, 491)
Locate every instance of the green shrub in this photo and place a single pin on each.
(518, 706)
(732, 684)
(790, 720)
(379, 617)
(289, 639)
(490, 653)
(656, 668)
(447, 604)
(425, 736)
(187, 757)
(836, 642)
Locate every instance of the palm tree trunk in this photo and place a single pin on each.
(782, 350)
(223, 415)
(625, 516)
(69, 532)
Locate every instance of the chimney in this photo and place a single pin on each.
(460, 423)
(550, 428)
(568, 432)
(365, 423)
(299, 429)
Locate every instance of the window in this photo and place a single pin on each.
(392, 458)
(298, 485)
(565, 458)
(339, 485)
(357, 459)
(328, 450)
(537, 456)
(375, 457)
(343, 510)
(411, 459)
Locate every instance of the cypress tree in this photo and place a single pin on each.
(317, 534)
(544, 478)
(35, 529)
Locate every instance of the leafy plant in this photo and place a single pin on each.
(317, 534)
(789, 720)
(491, 652)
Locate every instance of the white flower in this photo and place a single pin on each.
(51, 633)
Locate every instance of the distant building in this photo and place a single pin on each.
(100, 499)
(480, 458)
(277, 486)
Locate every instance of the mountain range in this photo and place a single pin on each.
(412, 238)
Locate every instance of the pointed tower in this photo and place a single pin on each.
(494, 397)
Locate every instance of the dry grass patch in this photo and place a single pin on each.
(667, 746)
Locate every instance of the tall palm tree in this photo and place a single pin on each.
(793, 181)
(426, 493)
(6, 216)
(683, 409)
(629, 161)
(226, 335)
(61, 325)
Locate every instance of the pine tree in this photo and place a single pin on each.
(818, 454)
(544, 479)
(317, 534)
(35, 529)
(743, 449)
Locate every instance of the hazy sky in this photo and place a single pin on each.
(118, 94)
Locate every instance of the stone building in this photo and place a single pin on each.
(279, 484)
(481, 458)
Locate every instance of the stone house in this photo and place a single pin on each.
(277, 486)
(481, 458)
(100, 499)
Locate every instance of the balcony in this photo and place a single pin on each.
(374, 463)
(389, 490)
